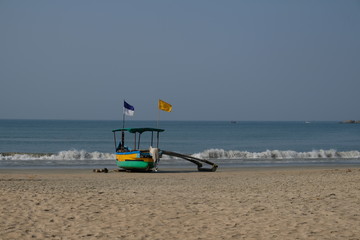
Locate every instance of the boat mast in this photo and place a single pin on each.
(122, 132)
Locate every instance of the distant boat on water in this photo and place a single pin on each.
(350, 121)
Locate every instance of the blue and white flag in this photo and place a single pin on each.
(128, 109)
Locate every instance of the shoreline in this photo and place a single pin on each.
(232, 203)
(187, 167)
(179, 164)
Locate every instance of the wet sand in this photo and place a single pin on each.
(248, 203)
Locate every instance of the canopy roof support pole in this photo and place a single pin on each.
(157, 140)
(115, 141)
(122, 143)
(139, 141)
(152, 138)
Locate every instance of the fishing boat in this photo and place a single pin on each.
(136, 158)
(142, 159)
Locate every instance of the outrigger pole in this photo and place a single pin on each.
(194, 160)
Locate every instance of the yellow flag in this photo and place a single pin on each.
(164, 106)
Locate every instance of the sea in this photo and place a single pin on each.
(90, 144)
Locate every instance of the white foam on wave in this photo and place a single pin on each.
(207, 154)
(62, 155)
(276, 154)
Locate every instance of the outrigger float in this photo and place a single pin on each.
(138, 159)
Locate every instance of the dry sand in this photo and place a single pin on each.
(262, 203)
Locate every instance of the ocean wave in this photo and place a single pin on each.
(207, 154)
(62, 155)
(276, 154)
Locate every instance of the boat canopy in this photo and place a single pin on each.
(138, 130)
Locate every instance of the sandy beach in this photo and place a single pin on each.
(250, 203)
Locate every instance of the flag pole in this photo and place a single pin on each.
(163, 106)
(123, 126)
(123, 123)
(157, 125)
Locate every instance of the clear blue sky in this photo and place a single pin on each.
(212, 60)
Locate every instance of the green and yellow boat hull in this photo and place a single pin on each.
(135, 160)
